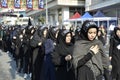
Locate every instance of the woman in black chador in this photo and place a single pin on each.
(48, 70)
(100, 37)
(62, 56)
(114, 53)
(89, 59)
(27, 69)
(37, 44)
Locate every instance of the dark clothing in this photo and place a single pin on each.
(88, 64)
(37, 62)
(38, 55)
(114, 52)
(7, 41)
(1, 36)
(85, 73)
(64, 69)
(27, 54)
(84, 59)
(48, 70)
(101, 38)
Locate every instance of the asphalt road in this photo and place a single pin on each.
(8, 68)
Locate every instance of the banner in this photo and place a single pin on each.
(4, 3)
(17, 3)
(40, 4)
(22, 4)
(29, 4)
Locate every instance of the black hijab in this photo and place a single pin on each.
(65, 48)
(115, 35)
(40, 31)
(85, 27)
(52, 33)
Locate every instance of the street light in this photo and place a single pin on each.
(46, 13)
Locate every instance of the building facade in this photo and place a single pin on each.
(111, 8)
(57, 11)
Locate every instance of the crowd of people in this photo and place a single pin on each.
(57, 53)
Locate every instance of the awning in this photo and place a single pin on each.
(75, 16)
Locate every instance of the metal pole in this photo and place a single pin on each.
(46, 13)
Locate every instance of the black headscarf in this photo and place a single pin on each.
(85, 27)
(41, 30)
(64, 34)
(65, 47)
(38, 36)
(52, 33)
(28, 29)
(115, 35)
(62, 49)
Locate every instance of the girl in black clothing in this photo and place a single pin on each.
(100, 37)
(89, 58)
(114, 53)
(62, 56)
(29, 31)
(37, 43)
(48, 70)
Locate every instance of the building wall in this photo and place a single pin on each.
(61, 9)
(99, 4)
(108, 7)
(58, 10)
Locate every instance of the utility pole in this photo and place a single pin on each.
(46, 13)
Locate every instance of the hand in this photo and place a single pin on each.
(110, 57)
(40, 43)
(110, 67)
(31, 37)
(95, 49)
(68, 57)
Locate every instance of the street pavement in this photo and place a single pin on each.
(8, 68)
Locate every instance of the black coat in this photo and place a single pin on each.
(37, 56)
(114, 52)
(64, 69)
(85, 60)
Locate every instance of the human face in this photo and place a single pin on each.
(45, 32)
(92, 32)
(99, 33)
(56, 35)
(32, 31)
(118, 33)
(68, 38)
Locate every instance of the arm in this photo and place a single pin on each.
(111, 47)
(85, 59)
(34, 42)
(57, 58)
